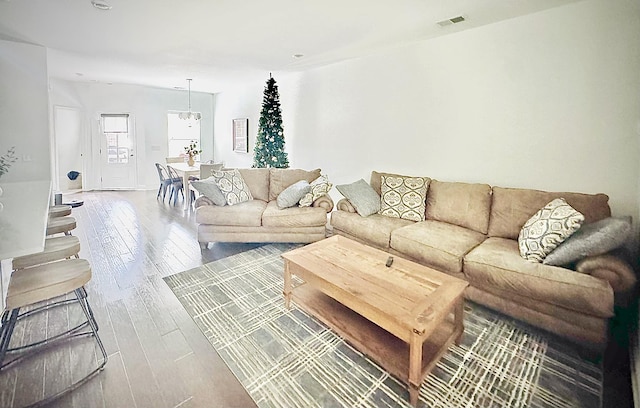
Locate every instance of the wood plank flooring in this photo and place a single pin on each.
(157, 355)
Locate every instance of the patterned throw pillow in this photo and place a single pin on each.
(403, 197)
(233, 187)
(319, 187)
(547, 229)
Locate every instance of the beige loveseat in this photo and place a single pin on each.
(471, 232)
(260, 219)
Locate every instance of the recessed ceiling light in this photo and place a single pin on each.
(100, 5)
(297, 56)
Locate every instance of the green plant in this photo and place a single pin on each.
(7, 160)
(192, 149)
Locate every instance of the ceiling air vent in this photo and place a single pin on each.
(452, 20)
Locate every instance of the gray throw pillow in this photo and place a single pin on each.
(362, 196)
(591, 239)
(292, 194)
(210, 189)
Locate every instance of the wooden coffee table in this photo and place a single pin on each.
(404, 316)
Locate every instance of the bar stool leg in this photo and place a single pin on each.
(9, 320)
(86, 308)
(93, 319)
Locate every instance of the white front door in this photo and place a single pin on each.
(117, 155)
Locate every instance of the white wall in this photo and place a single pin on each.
(548, 101)
(242, 103)
(149, 108)
(24, 110)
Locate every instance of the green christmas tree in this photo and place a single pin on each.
(269, 148)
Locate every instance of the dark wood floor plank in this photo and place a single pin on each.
(8, 379)
(143, 385)
(84, 360)
(221, 385)
(57, 374)
(176, 345)
(171, 388)
(30, 378)
(159, 311)
(116, 385)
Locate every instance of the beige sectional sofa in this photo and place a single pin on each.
(260, 219)
(471, 232)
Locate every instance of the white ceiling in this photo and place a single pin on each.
(220, 43)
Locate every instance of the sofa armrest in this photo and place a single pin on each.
(345, 205)
(325, 202)
(613, 268)
(202, 200)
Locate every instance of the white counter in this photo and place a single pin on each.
(23, 222)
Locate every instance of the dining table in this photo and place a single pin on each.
(24, 210)
(185, 171)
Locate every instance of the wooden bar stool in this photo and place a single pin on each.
(55, 249)
(61, 225)
(59, 211)
(31, 286)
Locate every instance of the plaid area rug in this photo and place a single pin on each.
(286, 358)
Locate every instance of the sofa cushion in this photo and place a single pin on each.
(374, 229)
(292, 194)
(438, 244)
(591, 239)
(293, 216)
(258, 182)
(363, 198)
(279, 179)
(247, 214)
(403, 197)
(496, 264)
(232, 186)
(319, 187)
(547, 229)
(512, 207)
(210, 189)
(464, 204)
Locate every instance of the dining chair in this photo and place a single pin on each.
(206, 170)
(165, 181)
(176, 186)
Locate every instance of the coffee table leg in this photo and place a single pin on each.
(287, 285)
(415, 368)
(459, 320)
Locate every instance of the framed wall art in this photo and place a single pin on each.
(241, 135)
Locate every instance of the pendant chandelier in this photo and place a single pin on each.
(189, 115)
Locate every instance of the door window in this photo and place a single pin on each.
(116, 132)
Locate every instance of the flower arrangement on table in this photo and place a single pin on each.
(7, 160)
(192, 151)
